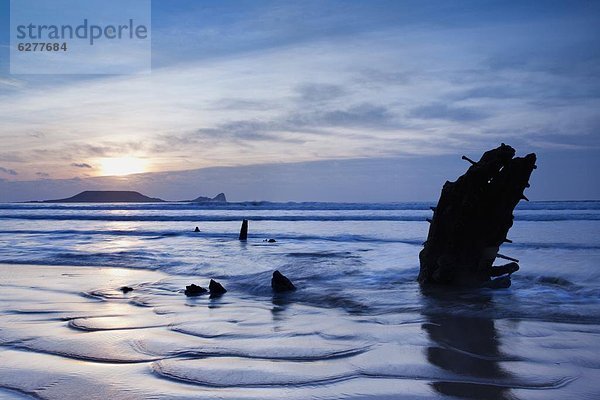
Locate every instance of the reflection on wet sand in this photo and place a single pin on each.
(466, 346)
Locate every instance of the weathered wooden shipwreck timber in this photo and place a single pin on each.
(472, 220)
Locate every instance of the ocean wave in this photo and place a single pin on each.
(162, 234)
(266, 205)
(535, 217)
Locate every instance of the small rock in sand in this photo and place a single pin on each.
(281, 283)
(125, 289)
(194, 290)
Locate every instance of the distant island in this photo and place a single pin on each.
(107, 196)
(220, 198)
(126, 196)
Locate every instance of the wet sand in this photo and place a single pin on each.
(69, 333)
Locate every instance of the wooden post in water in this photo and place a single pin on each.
(244, 230)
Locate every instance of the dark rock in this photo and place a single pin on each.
(244, 230)
(197, 229)
(270, 240)
(125, 289)
(194, 290)
(216, 289)
(472, 219)
(281, 283)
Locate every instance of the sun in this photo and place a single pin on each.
(120, 166)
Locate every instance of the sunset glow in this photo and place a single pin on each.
(122, 166)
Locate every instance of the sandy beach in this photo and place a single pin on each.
(69, 333)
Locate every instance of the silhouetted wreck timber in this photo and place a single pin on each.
(472, 219)
(244, 230)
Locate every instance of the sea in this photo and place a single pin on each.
(356, 262)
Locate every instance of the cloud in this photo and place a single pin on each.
(240, 104)
(102, 149)
(447, 112)
(8, 171)
(37, 134)
(356, 116)
(320, 92)
(81, 165)
(12, 157)
(280, 128)
(247, 130)
(59, 152)
(237, 131)
(376, 77)
(493, 92)
(360, 115)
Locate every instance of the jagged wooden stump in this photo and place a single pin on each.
(472, 220)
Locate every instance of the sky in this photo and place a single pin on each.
(316, 101)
